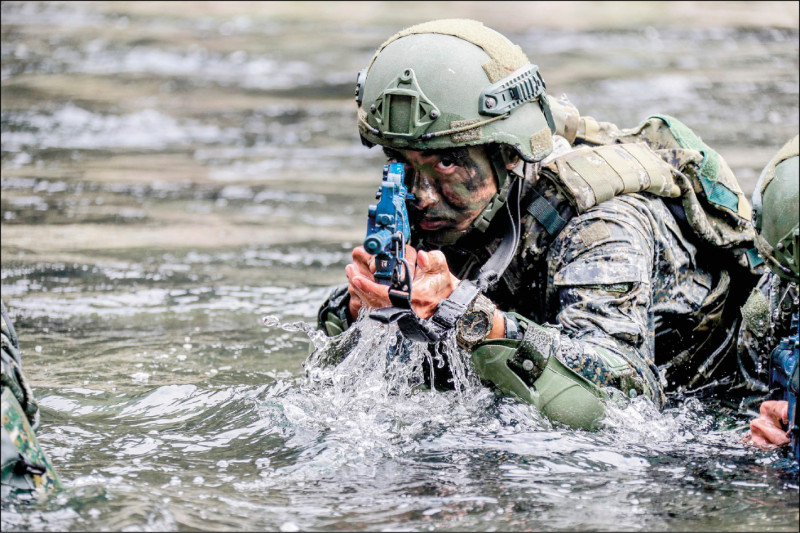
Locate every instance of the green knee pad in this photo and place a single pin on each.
(559, 393)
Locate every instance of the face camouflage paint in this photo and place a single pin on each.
(452, 187)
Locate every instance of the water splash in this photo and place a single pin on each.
(370, 369)
(366, 397)
(367, 381)
(373, 356)
(317, 337)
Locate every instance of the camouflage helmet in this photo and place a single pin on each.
(776, 203)
(453, 83)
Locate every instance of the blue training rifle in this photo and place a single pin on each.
(388, 230)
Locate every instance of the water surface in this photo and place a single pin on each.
(171, 173)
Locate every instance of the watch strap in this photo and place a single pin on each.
(482, 303)
(452, 308)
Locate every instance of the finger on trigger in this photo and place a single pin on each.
(360, 255)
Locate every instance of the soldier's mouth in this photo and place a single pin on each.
(433, 224)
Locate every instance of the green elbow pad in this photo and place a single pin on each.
(561, 394)
(333, 325)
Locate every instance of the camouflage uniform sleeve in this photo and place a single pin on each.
(754, 344)
(599, 290)
(766, 319)
(24, 466)
(12, 376)
(598, 293)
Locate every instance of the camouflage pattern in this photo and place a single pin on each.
(635, 287)
(25, 466)
(767, 319)
(767, 314)
(717, 223)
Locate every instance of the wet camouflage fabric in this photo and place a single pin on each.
(25, 466)
(701, 172)
(767, 319)
(637, 295)
(628, 293)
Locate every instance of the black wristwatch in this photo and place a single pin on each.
(468, 312)
(476, 324)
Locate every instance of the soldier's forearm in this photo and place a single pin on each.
(541, 362)
(527, 367)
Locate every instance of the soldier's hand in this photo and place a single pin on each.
(432, 282)
(766, 431)
(364, 291)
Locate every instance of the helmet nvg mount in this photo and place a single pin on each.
(455, 83)
(776, 206)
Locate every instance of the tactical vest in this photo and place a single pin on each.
(661, 156)
(665, 158)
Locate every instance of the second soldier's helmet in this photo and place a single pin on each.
(451, 83)
(776, 204)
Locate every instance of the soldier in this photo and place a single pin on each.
(773, 304)
(25, 467)
(618, 247)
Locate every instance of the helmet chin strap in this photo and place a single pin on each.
(499, 199)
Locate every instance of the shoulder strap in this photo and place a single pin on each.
(593, 175)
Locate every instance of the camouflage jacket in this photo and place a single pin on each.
(767, 318)
(634, 288)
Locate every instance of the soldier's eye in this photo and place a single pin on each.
(445, 164)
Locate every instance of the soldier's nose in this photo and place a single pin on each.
(425, 194)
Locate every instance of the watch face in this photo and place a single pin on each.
(474, 326)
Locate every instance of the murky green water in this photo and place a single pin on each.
(172, 173)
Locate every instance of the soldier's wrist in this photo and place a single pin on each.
(498, 325)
